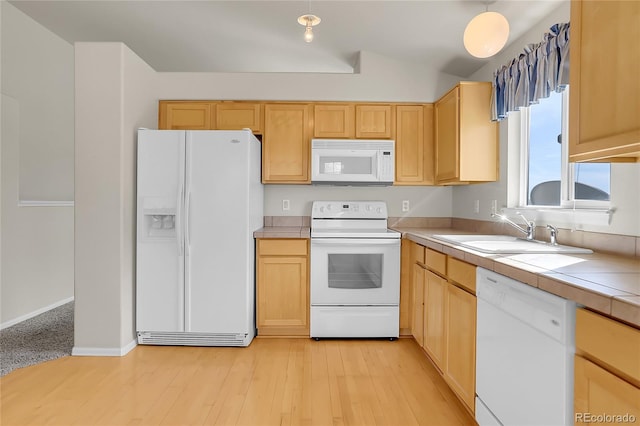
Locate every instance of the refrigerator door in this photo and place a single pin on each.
(160, 248)
(219, 232)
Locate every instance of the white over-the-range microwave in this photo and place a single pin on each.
(352, 162)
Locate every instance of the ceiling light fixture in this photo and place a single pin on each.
(309, 21)
(486, 34)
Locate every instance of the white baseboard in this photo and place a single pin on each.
(35, 313)
(76, 351)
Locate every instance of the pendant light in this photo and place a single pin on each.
(486, 34)
(309, 21)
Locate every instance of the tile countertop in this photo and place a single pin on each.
(605, 283)
(283, 232)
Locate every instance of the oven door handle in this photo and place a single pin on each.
(354, 242)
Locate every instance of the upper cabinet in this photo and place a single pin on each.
(285, 145)
(466, 140)
(333, 121)
(187, 115)
(194, 115)
(414, 145)
(374, 121)
(604, 101)
(239, 115)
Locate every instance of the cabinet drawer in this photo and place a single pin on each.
(275, 247)
(417, 253)
(436, 261)
(462, 273)
(615, 344)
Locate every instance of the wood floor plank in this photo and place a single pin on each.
(272, 382)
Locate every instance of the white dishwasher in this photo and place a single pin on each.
(524, 354)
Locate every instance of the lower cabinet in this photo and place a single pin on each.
(460, 353)
(444, 315)
(282, 287)
(607, 370)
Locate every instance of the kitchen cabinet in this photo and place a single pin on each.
(286, 143)
(607, 367)
(604, 119)
(417, 328)
(333, 121)
(460, 351)
(414, 145)
(185, 115)
(374, 121)
(444, 315)
(406, 288)
(466, 140)
(282, 287)
(434, 322)
(238, 116)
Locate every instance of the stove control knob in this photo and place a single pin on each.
(378, 210)
(328, 206)
(369, 207)
(321, 209)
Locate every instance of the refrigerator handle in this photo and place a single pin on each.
(187, 224)
(179, 220)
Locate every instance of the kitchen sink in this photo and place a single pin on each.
(498, 244)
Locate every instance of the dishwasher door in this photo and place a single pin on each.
(524, 355)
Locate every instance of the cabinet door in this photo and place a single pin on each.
(374, 121)
(434, 318)
(406, 288)
(282, 295)
(285, 145)
(597, 392)
(460, 372)
(447, 123)
(417, 325)
(333, 121)
(414, 152)
(238, 116)
(604, 121)
(186, 115)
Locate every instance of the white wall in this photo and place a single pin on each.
(379, 79)
(37, 157)
(113, 98)
(625, 178)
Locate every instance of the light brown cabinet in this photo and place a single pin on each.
(286, 144)
(604, 98)
(374, 121)
(333, 121)
(466, 140)
(460, 352)
(435, 319)
(186, 115)
(282, 287)
(607, 367)
(417, 325)
(238, 116)
(406, 288)
(414, 145)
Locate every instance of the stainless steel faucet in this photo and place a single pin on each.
(529, 231)
(553, 235)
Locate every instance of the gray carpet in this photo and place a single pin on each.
(41, 338)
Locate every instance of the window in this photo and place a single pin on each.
(549, 179)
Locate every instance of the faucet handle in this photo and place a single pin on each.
(553, 234)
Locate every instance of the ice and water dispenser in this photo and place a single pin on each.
(158, 218)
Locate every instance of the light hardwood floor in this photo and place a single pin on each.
(272, 382)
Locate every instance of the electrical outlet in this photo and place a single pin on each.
(476, 206)
(286, 205)
(405, 205)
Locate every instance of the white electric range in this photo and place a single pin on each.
(355, 270)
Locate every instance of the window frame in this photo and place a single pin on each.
(567, 169)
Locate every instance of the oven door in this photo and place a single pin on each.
(355, 271)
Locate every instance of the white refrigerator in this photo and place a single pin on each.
(199, 200)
